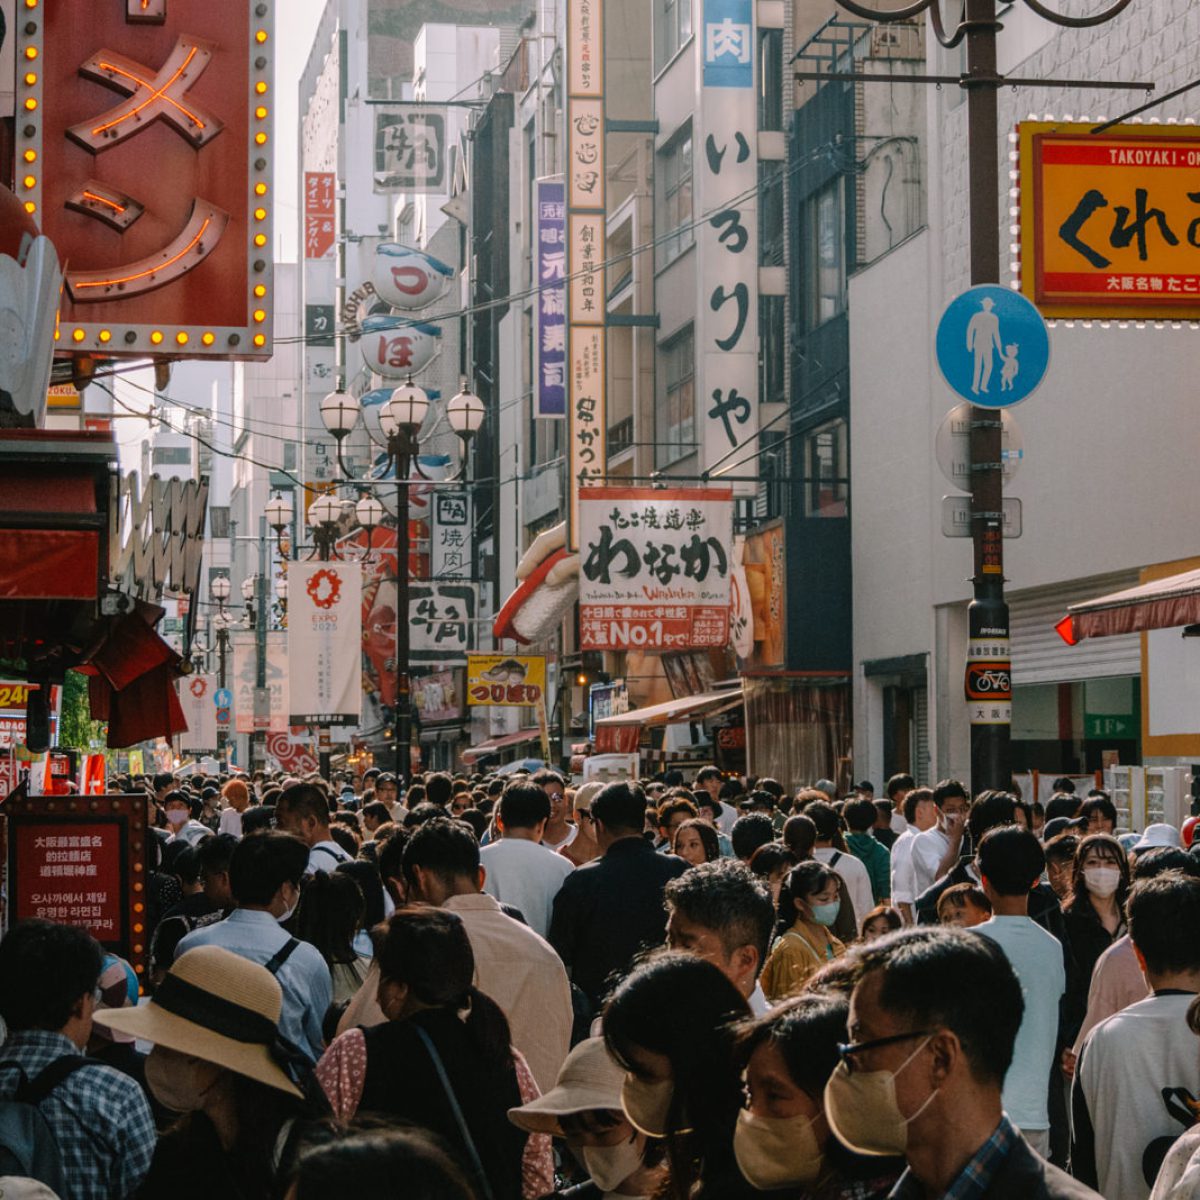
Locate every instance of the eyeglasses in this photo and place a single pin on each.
(846, 1053)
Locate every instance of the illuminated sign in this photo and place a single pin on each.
(148, 164)
(1110, 224)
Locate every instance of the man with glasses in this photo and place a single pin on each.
(933, 1021)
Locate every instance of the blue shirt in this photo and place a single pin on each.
(304, 977)
(99, 1117)
(975, 1178)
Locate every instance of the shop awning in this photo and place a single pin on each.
(1161, 604)
(521, 737)
(686, 708)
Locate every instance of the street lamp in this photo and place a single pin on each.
(340, 412)
(279, 517)
(324, 518)
(219, 589)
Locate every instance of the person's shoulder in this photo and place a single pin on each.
(307, 957)
(1026, 1174)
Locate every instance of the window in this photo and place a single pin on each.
(770, 79)
(289, 456)
(676, 433)
(825, 262)
(218, 520)
(171, 456)
(770, 214)
(827, 466)
(675, 198)
(772, 332)
(674, 27)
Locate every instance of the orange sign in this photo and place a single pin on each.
(1110, 224)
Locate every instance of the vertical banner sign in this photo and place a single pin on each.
(585, 187)
(318, 214)
(551, 329)
(410, 149)
(243, 682)
(324, 642)
(197, 694)
(278, 697)
(727, 239)
(654, 568)
(450, 537)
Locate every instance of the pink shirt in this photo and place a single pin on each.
(1117, 982)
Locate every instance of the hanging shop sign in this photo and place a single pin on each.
(156, 535)
(506, 680)
(396, 347)
(197, 698)
(654, 568)
(551, 252)
(438, 697)
(450, 536)
(267, 707)
(320, 222)
(441, 623)
(409, 279)
(1109, 221)
(410, 149)
(324, 642)
(148, 164)
(14, 701)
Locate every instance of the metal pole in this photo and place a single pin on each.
(258, 738)
(222, 643)
(987, 616)
(401, 714)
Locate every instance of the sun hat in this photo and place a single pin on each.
(1156, 836)
(219, 1007)
(19, 1187)
(586, 794)
(590, 1078)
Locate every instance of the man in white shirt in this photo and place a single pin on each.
(181, 812)
(854, 874)
(897, 789)
(1137, 1070)
(721, 912)
(920, 813)
(936, 850)
(303, 810)
(1010, 862)
(521, 871)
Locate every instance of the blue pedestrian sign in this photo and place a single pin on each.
(992, 346)
(222, 698)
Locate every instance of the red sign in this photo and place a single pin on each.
(148, 164)
(71, 873)
(319, 225)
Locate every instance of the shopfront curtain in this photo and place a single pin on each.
(799, 730)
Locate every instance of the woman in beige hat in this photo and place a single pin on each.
(219, 1061)
(584, 1108)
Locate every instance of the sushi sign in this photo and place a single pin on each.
(497, 680)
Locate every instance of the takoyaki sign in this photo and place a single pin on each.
(497, 680)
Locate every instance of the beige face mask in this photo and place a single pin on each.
(863, 1112)
(775, 1152)
(647, 1105)
(179, 1082)
(610, 1166)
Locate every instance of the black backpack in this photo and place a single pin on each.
(28, 1146)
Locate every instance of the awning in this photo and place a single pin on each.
(687, 708)
(1161, 604)
(522, 736)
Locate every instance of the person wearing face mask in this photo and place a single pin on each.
(584, 1109)
(782, 1138)
(670, 1026)
(808, 905)
(933, 1022)
(180, 811)
(219, 1063)
(264, 877)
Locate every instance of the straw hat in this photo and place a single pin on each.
(216, 1006)
(589, 1079)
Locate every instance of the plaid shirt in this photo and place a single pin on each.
(99, 1117)
(975, 1178)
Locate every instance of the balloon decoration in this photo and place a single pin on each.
(409, 279)
(397, 347)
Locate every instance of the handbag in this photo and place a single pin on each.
(485, 1188)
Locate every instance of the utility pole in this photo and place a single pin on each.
(262, 698)
(987, 615)
(401, 710)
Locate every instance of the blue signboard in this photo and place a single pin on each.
(223, 697)
(728, 44)
(992, 346)
(551, 330)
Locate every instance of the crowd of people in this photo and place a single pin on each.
(506, 988)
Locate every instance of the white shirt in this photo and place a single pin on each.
(191, 832)
(897, 822)
(572, 833)
(728, 818)
(902, 877)
(325, 856)
(231, 822)
(928, 850)
(1037, 958)
(854, 875)
(522, 873)
(759, 1004)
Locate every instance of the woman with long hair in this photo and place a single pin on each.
(442, 1058)
(670, 1026)
(809, 902)
(771, 863)
(328, 916)
(696, 842)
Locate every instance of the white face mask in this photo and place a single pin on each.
(647, 1105)
(610, 1166)
(286, 915)
(179, 1082)
(177, 816)
(1102, 881)
(776, 1152)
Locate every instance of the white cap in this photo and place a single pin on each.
(1157, 836)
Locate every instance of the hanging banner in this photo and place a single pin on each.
(324, 642)
(409, 279)
(242, 681)
(727, 241)
(441, 623)
(450, 538)
(438, 697)
(499, 680)
(655, 567)
(295, 758)
(551, 302)
(197, 698)
(410, 149)
(319, 221)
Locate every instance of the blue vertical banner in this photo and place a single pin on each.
(551, 326)
(728, 43)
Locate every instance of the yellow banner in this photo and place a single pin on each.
(506, 680)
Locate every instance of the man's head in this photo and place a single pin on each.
(1060, 864)
(719, 911)
(523, 811)
(919, 809)
(897, 788)
(439, 787)
(1101, 814)
(214, 855)
(178, 809)
(303, 810)
(1164, 914)
(48, 978)
(708, 779)
(618, 811)
(162, 784)
(441, 860)
(750, 832)
(265, 871)
(387, 790)
(1062, 804)
(671, 814)
(952, 800)
(989, 810)
(1010, 861)
(963, 905)
(824, 816)
(375, 814)
(859, 815)
(237, 795)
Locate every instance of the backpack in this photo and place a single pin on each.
(28, 1146)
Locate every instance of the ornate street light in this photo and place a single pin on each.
(279, 517)
(340, 411)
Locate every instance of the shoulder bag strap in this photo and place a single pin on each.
(281, 955)
(34, 1091)
(460, 1120)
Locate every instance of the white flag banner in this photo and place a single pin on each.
(324, 642)
(254, 712)
(196, 699)
(242, 682)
